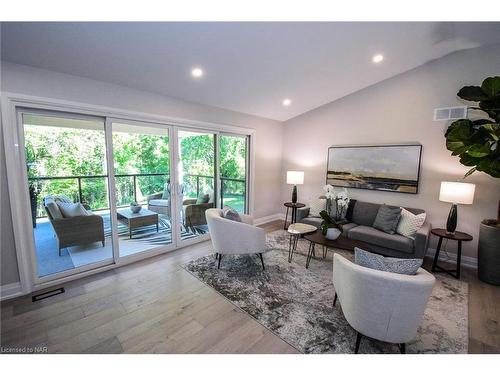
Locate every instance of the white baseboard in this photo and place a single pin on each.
(268, 219)
(10, 291)
(452, 258)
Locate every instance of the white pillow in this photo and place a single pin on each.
(72, 209)
(316, 206)
(409, 223)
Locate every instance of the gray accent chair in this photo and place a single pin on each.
(382, 305)
(74, 231)
(360, 228)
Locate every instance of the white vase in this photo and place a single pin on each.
(332, 233)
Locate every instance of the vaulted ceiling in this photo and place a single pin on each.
(248, 67)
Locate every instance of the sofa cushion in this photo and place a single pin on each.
(316, 221)
(387, 218)
(347, 227)
(378, 262)
(364, 213)
(158, 202)
(377, 237)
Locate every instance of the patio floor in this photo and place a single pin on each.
(143, 239)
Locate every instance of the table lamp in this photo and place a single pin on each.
(294, 178)
(455, 192)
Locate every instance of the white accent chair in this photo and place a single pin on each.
(231, 237)
(382, 305)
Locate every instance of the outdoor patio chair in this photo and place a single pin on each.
(76, 230)
(194, 210)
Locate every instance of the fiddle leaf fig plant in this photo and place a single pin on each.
(476, 142)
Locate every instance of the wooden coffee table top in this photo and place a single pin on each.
(340, 243)
(128, 214)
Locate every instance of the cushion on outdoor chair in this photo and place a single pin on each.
(72, 209)
(166, 192)
(53, 209)
(158, 202)
(203, 198)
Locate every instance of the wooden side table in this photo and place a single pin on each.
(457, 236)
(294, 207)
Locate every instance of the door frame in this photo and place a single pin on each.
(20, 210)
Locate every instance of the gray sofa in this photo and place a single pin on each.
(362, 215)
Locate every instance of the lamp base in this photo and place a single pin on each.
(451, 223)
(294, 194)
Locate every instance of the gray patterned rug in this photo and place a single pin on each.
(296, 303)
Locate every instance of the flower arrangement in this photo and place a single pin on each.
(340, 199)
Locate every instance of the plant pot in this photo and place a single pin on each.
(332, 233)
(135, 208)
(488, 257)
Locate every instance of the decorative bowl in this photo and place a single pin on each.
(135, 208)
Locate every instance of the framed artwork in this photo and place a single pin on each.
(379, 167)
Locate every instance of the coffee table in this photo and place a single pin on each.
(135, 220)
(341, 242)
(296, 230)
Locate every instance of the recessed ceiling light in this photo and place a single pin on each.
(287, 102)
(378, 58)
(197, 72)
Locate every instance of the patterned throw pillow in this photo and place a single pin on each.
(231, 214)
(410, 223)
(378, 262)
(316, 206)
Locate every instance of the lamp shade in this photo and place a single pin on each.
(294, 177)
(457, 192)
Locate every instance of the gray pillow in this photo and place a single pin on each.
(387, 218)
(203, 198)
(231, 214)
(378, 262)
(166, 191)
(53, 209)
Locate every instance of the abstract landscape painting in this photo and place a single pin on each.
(391, 168)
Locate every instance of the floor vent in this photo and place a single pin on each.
(450, 113)
(48, 294)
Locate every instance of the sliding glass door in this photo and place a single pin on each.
(197, 189)
(141, 159)
(102, 190)
(68, 191)
(233, 167)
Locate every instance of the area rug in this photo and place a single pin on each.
(296, 303)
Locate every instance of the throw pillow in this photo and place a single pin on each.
(53, 210)
(409, 223)
(231, 214)
(203, 198)
(72, 209)
(378, 262)
(387, 219)
(316, 206)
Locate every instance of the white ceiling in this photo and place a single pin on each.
(249, 67)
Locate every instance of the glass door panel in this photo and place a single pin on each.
(68, 191)
(196, 167)
(142, 184)
(233, 171)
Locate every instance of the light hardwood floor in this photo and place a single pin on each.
(154, 306)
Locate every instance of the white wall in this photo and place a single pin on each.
(37, 82)
(400, 110)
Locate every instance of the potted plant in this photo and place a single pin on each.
(475, 142)
(331, 227)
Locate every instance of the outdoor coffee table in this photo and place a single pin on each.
(296, 230)
(341, 242)
(141, 219)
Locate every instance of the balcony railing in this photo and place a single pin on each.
(189, 187)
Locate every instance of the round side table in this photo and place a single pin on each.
(457, 236)
(294, 207)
